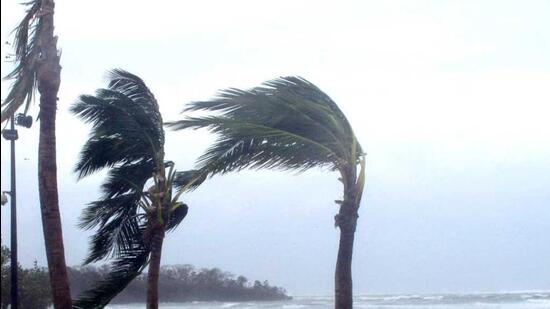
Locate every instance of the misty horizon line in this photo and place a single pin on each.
(487, 292)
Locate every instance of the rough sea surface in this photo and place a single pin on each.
(515, 300)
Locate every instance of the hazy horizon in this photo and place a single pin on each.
(449, 99)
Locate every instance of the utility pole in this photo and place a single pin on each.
(12, 136)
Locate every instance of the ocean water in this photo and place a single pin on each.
(516, 300)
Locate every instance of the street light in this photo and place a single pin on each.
(11, 135)
(4, 198)
(23, 120)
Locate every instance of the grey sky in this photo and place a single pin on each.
(449, 98)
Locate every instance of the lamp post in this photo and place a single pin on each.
(12, 136)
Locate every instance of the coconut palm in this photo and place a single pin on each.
(37, 66)
(289, 124)
(137, 206)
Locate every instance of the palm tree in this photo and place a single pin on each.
(127, 138)
(289, 124)
(37, 66)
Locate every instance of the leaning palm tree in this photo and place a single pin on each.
(37, 66)
(289, 124)
(137, 206)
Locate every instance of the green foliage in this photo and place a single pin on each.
(287, 123)
(126, 130)
(5, 273)
(34, 285)
(183, 283)
(126, 267)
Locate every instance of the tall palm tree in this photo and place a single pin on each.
(37, 66)
(289, 124)
(127, 138)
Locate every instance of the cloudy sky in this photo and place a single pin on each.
(449, 98)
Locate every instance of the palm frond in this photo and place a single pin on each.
(134, 88)
(287, 123)
(126, 124)
(283, 102)
(130, 177)
(113, 238)
(26, 53)
(128, 265)
(98, 213)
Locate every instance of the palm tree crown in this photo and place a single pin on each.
(287, 123)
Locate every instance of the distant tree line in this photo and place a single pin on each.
(181, 283)
(34, 285)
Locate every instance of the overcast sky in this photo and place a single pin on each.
(450, 99)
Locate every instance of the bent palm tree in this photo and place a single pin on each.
(127, 138)
(37, 66)
(287, 123)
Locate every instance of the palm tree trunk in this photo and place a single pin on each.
(48, 74)
(154, 269)
(346, 220)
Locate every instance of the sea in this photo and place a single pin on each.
(509, 300)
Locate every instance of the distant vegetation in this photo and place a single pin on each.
(180, 283)
(34, 285)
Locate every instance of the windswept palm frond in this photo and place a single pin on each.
(128, 178)
(25, 57)
(128, 265)
(126, 137)
(287, 123)
(134, 88)
(124, 131)
(117, 221)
